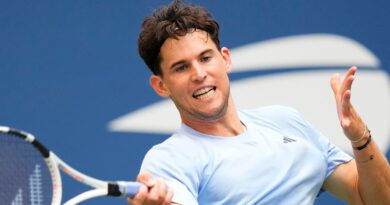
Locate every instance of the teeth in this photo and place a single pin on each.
(204, 92)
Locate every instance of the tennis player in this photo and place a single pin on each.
(221, 155)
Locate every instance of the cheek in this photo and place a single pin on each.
(177, 88)
(220, 67)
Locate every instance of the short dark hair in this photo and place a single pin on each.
(171, 21)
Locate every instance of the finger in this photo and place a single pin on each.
(346, 102)
(140, 197)
(346, 110)
(335, 82)
(168, 197)
(347, 83)
(154, 193)
(352, 71)
(162, 189)
(146, 178)
(130, 200)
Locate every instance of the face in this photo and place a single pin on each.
(194, 76)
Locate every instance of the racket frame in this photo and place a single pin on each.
(55, 164)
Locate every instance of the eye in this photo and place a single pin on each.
(205, 59)
(180, 68)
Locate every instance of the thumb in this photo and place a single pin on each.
(146, 178)
(335, 82)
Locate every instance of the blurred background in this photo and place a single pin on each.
(70, 72)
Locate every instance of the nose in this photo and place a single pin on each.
(198, 72)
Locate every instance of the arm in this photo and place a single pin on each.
(365, 180)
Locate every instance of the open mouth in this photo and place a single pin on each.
(204, 92)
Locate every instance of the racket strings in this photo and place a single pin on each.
(24, 176)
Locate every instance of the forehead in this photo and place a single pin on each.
(187, 46)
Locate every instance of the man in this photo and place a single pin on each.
(221, 155)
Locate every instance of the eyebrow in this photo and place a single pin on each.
(183, 61)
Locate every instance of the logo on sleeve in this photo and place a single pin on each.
(288, 140)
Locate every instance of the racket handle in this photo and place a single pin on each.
(124, 188)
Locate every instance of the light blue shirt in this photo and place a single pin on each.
(279, 159)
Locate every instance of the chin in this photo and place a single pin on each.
(213, 114)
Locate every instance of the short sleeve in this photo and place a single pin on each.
(335, 157)
(176, 171)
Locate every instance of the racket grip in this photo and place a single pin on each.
(124, 188)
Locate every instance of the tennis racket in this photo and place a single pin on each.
(30, 174)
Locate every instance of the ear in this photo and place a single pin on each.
(158, 86)
(226, 57)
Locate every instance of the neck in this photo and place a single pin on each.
(228, 125)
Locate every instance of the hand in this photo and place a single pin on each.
(155, 191)
(353, 126)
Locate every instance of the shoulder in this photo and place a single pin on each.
(179, 147)
(269, 111)
(285, 120)
(169, 149)
(273, 115)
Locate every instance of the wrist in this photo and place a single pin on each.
(363, 141)
(362, 137)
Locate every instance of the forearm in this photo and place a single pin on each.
(369, 179)
(373, 174)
